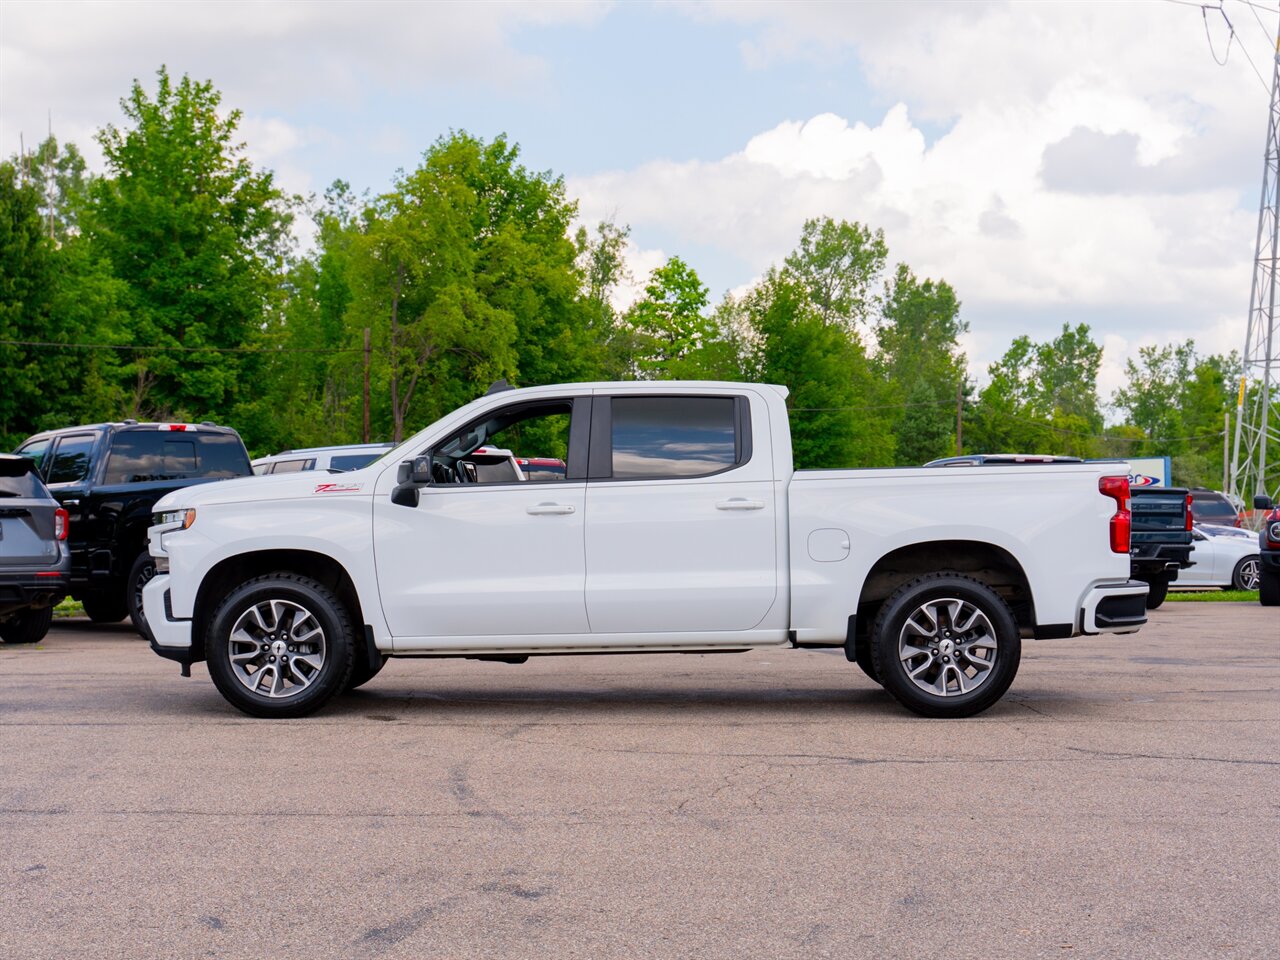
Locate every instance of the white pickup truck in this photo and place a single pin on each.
(679, 525)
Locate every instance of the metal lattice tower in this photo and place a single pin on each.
(1255, 460)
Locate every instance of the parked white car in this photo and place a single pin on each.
(341, 458)
(680, 524)
(1227, 559)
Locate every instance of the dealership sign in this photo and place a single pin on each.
(1149, 471)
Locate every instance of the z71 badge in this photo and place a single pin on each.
(338, 487)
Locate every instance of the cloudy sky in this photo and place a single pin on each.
(1056, 162)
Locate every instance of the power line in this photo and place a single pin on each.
(1261, 26)
(171, 349)
(1226, 54)
(1103, 436)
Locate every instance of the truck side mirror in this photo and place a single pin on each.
(410, 475)
(421, 470)
(1261, 502)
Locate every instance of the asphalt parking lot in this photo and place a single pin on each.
(1122, 801)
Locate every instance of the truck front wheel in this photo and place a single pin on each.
(280, 645)
(946, 645)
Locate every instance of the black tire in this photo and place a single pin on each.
(104, 607)
(361, 672)
(1246, 575)
(862, 653)
(1003, 638)
(337, 637)
(140, 574)
(1157, 590)
(1269, 588)
(27, 626)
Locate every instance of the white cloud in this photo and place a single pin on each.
(79, 59)
(1091, 164)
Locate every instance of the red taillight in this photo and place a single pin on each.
(1117, 488)
(1190, 516)
(60, 523)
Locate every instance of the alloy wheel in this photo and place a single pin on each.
(947, 647)
(276, 649)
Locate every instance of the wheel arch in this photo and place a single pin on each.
(985, 562)
(231, 571)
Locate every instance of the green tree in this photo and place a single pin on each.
(197, 235)
(837, 263)
(670, 320)
(1042, 398)
(60, 174)
(919, 356)
(1176, 401)
(835, 398)
(26, 280)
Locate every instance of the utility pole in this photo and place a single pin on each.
(960, 418)
(366, 385)
(1258, 409)
(50, 183)
(1226, 449)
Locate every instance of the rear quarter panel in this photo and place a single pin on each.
(1051, 519)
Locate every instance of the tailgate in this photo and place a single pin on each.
(1160, 516)
(27, 532)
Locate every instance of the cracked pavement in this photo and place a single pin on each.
(1121, 801)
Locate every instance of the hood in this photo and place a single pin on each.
(286, 486)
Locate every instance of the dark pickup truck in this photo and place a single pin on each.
(108, 476)
(1160, 541)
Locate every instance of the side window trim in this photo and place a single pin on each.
(601, 455)
(55, 446)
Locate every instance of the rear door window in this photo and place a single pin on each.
(142, 456)
(291, 466)
(671, 437)
(70, 458)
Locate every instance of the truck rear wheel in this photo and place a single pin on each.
(280, 646)
(946, 645)
(28, 626)
(1158, 589)
(104, 607)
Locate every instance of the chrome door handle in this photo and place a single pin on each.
(738, 503)
(549, 509)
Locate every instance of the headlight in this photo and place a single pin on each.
(1273, 532)
(184, 517)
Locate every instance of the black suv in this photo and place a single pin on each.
(33, 552)
(108, 476)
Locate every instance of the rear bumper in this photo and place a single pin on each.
(34, 587)
(170, 638)
(1114, 608)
